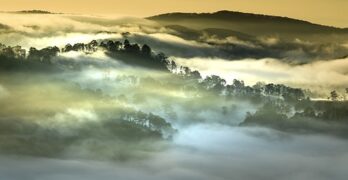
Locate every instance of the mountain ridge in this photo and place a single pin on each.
(226, 15)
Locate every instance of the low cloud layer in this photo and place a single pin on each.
(60, 29)
(3, 92)
(320, 76)
(206, 152)
(94, 115)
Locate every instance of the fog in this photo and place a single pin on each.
(60, 29)
(321, 77)
(208, 144)
(90, 114)
(206, 152)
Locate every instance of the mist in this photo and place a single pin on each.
(321, 76)
(206, 152)
(87, 97)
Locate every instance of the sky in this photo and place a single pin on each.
(328, 12)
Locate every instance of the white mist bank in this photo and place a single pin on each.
(205, 152)
(60, 29)
(320, 76)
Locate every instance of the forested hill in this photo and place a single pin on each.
(277, 106)
(129, 53)
(253, 24)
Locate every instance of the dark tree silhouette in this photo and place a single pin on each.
(214, 83)
(146, 50)
(333, 95)
(67, 48)
(126, 44)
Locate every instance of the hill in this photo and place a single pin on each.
(253, 24)
(34, 11)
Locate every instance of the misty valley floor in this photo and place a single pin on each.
(210, 96)
(205, 151)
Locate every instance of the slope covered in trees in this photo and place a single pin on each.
(277, 106)
(254, 24)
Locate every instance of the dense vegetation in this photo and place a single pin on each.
(278, 106)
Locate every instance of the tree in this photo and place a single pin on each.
(259, 87)
(185, 70)
(269, 89)
(18, 52)
(126, 44)
(161, 57)
(103, 44)
(78, 47)
(134, 48)
(111, 46)
(195, 75)
(33, 53)
(118, 45)
(92, 46)
(237, 86)
(43, 55)
(172, 66)
(146, 50)
(214, 83)
(333, 95)
(8, 52)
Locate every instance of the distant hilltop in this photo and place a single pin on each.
(248, 23)
(225, 14)
(34, 12)
(234, 16)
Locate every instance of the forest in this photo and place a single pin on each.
(273, 105)
(173, 90)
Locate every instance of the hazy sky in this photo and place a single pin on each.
(330, 12)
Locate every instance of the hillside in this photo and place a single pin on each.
(33, 12)
(248, 23)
